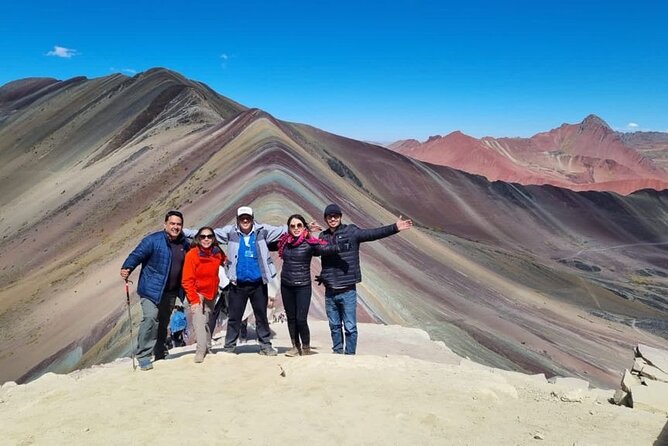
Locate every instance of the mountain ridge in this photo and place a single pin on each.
(585, 156)
(527, 278)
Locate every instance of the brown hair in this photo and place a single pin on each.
(196, 240)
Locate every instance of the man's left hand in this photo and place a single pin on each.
(402, 224)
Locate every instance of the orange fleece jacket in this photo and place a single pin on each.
(200, 273)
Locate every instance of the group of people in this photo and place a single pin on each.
(171, 264)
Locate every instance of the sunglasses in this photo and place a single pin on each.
(206, 236)
(333, 217)
(297, 226)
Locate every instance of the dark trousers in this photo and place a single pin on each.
(221, 307)
(238, 297)
(296, 301)
(177, 339)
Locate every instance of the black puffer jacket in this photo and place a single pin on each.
(343, 269)
(297, 262)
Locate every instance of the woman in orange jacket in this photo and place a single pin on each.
(200, 282)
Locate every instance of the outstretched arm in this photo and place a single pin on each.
(275, 232)
(368, 235)
(189, 232)
(403, 225)
(222, 234)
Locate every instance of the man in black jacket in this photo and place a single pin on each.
(341, 272)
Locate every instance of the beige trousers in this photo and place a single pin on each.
(201, 315)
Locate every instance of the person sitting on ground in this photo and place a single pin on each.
(200, 282)
(177, 326)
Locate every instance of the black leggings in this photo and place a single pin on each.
(296, 301)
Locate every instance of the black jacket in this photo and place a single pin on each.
(296, 269)
(343, 269)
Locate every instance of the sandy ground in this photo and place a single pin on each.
(381, 396)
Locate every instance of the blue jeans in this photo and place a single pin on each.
(342, 309)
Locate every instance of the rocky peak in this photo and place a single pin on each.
(594, 122)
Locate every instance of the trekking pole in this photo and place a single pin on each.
(132, 338)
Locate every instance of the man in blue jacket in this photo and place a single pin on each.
(161, 256)
(341, 273)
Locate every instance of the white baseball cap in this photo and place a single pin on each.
(244, 210)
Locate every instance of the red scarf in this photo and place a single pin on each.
(289, 239)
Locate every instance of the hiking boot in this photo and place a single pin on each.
(145, 364)
(306, 350)
(199, 357)
(229, 350)
(268, 351)
(294, 351)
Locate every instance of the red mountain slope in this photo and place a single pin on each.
(585, 156)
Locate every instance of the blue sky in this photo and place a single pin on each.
(372, 70)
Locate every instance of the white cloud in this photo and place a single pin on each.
(63, 52)
(130, 71)
(225, 58)
(632, 125)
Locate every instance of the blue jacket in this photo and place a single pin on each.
(155, 257)
(178, 322)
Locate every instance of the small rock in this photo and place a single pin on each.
(654, 356)
(629, 380)
(538, 436)
(638, 365)
(573, 396)
(652, 397)
(654, 373)
(621, 398)
(571, 383)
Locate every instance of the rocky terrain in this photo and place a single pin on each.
(401, 389)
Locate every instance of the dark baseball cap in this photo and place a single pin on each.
(333, 209)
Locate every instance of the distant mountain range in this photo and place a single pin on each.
(585, 156)
(539, 279)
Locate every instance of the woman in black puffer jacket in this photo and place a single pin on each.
(296, 248)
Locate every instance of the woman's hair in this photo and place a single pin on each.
(298, 217)
(196, 240)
